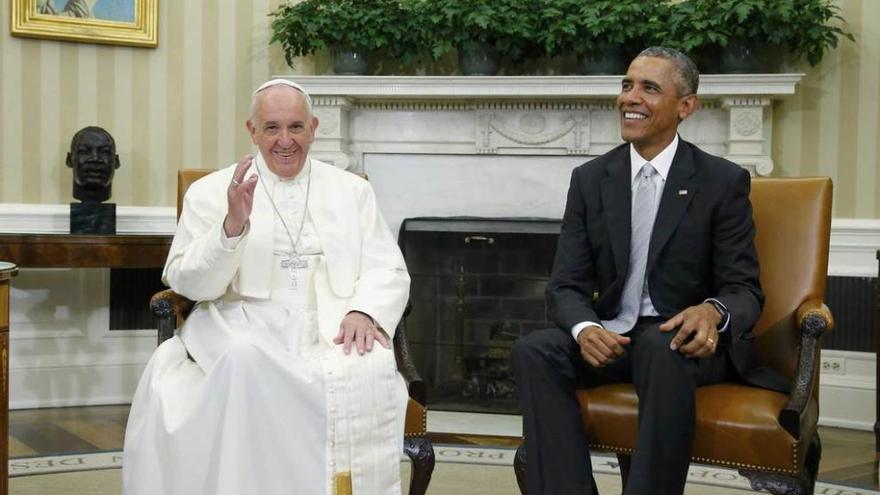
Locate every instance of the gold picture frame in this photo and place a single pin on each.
(28, 21)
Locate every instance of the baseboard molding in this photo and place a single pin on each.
(64, 386)
(854, 241)
(854, 244)
(847, 389)
(18, 218)
(62, 352)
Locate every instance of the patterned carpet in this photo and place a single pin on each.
(459, 470)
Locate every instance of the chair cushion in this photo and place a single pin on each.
(415, 423)
(736, 426)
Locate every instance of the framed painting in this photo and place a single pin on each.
(113, 22)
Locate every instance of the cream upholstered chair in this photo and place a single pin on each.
(171, 309)
(770, 437)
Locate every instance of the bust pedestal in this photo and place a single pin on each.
(91, 217)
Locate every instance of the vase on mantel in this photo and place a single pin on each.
(478, 59)
(349, 62)
(605, 60)
(739, 57)
(707, 58)
(750, 57)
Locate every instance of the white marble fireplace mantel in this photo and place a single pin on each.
(525, 115)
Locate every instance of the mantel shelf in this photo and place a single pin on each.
(563, 116)
(531, 87)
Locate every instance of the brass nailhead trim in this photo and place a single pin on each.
(424, 426)
(756, 467)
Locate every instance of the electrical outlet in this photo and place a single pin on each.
(833, 366)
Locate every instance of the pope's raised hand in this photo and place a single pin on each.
(239, 198)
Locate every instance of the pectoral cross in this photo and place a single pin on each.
(294, 263)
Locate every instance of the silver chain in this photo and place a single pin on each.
(293, 253)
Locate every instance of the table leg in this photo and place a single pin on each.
(7, 271)
(877, 356)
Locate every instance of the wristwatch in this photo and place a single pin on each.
(722, 310)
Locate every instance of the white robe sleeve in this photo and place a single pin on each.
(382, 285)
(199, 267)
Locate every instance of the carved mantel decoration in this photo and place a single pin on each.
(521, 115)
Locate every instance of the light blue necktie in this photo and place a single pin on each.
(643, 213)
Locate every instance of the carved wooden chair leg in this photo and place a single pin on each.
(778, 484)
(420, 451)
(811, 463)
(519, 468)
(624, 461)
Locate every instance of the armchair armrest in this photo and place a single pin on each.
(414, 383)
(815, 312)
(813, 319)
(170, 309)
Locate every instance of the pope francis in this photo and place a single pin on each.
(282, 380)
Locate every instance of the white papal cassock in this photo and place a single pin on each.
(268, 404)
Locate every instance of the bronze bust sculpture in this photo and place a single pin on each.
(94, 160)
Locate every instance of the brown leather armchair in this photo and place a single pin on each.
(171, 309)
(770, 437)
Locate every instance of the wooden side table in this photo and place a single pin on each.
(7, 271)
(84, 251)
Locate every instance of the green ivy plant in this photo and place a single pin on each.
(506, 25)
(689, 26)
(405, 30)
(582, 27)
(367, 26)
(808, 28)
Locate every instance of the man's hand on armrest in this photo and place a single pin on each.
(359, 329)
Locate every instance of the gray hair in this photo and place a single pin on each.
(688, 74)
(280, 82)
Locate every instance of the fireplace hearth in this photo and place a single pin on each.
(477, 285)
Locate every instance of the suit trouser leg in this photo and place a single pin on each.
(548, 367)
(666, 382)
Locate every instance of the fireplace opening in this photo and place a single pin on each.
(477, 285)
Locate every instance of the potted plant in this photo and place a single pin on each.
(350, 29)
(751, 33)
(815, 27)
(688, 26)
(603, 34)
(483, 31)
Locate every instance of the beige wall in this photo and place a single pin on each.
(194, 89)
(831, 126)
(182, 104)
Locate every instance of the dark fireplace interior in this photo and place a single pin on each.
(477, 285)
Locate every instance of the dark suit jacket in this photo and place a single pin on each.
(702, 245)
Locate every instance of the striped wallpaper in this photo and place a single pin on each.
(194, 89)
(831, 126)
(182, 104)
